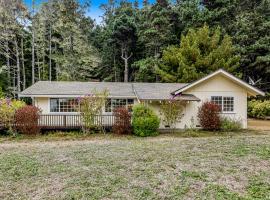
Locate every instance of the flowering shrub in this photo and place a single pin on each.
(90, 106)
(26, 119)
(145, 122)
(122, 121)
(258, 108)
(8, 109)
(172, 112)
(209, 116)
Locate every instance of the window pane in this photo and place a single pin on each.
(64, 105)
(130, 104)
(108, 105)
(228, 104)
(217, 100)
(54, 105)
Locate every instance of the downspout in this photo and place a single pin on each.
(135, 92)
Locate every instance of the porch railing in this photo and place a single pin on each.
(48, 121)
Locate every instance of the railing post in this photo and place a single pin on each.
(64, 120)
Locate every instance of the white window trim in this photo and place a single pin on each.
(222, 104)
(117, 98)
(60, 113)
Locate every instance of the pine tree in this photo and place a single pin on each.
(251, 36)
(200, 52)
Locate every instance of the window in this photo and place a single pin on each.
(111, 104)
(217, 100)
(226, 103)
(63, 105)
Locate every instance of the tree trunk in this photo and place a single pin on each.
(8, 64)
(33, 44)
(38, 65)
(50, 54)
(23, 67)
(125, 57)
(18, 66)
(126, 70)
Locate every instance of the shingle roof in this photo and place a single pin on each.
(156, 91)
(78, 88)
(150, 91)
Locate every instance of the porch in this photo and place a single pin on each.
(68, 121)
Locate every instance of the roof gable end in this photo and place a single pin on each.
(229, 76)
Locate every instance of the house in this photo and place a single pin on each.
(57, 99)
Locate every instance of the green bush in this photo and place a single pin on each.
(8, 108)
(228, 124)
(259, 109)
(144, 121)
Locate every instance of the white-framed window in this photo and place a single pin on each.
(226, 103)
(63, 105)
(111, 104)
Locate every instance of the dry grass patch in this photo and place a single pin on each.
(163, 167)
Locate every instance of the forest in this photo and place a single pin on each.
(164, 41)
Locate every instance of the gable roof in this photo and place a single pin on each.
(253, 90)
(144, 91)
(70, 88)
(156, 91)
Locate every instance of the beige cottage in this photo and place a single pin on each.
(58, 98)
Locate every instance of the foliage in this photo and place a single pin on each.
(201, 51)
(172, 112)
(2, 94)
(26, 119)
(145, 70)
(91, 106)
(122, 121)
(156, 29)
(258, 108)
(228, 124)
(208, 115)
(250, 31)
(8, 108)
(144, 121)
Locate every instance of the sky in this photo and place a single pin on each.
(94, 12)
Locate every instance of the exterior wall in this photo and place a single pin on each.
(43, 104)
(216, 86)
(59, 119)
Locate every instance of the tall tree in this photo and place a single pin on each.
(251, 36)
(124, 34)
(200, 52)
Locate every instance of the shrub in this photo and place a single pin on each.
(209, 116)
(172, 112)
(145, 122)
(122, 121)
(258, 108)
(26, 119)
(8, 109)
(228, 124)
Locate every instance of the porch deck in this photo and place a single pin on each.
(69, 121)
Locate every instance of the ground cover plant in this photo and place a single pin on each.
(129, 167)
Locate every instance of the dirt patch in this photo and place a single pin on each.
(257, 124)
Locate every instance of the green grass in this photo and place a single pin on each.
(169, 166)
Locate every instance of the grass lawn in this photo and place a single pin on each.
(231, 166)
